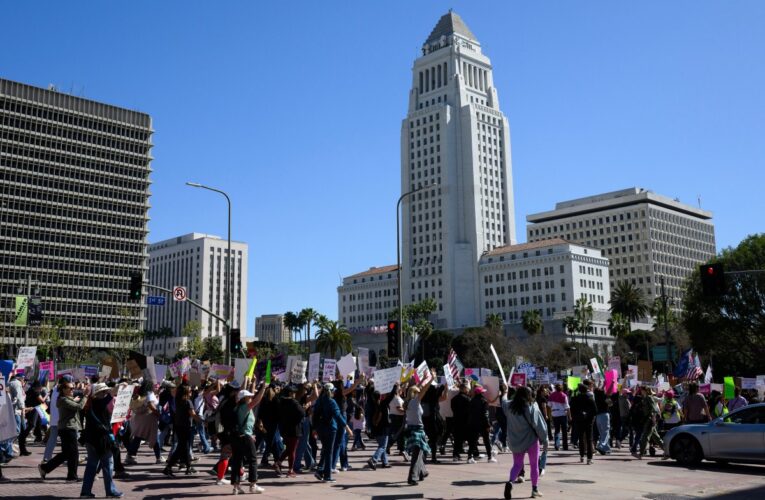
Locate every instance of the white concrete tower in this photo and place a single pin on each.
(456, 136)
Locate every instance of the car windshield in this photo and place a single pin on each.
(746, 416)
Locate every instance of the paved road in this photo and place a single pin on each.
(614, 477)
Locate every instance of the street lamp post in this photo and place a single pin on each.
(229, 273)
(398, 268)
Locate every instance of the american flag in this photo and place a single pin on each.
(694, 368)
(455, 367)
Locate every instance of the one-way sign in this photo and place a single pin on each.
(155, 300)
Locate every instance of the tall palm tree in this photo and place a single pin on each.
(532, 322)
(628, 300)
(332, 337)
(292, 323)
(307, 317)
(583, 316)
(494, 322)
(618, 325)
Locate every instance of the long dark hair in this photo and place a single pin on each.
(521, 400)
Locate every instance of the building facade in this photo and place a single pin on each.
(365, 300)
(645, 236)
(74, 201)
(455, 151)
(199, 263)
(270, 328)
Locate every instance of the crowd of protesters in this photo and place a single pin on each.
(253, 425)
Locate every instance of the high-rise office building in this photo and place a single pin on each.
(365, 299)
(645, 236)
(198, 262)
(455, 150)
(74, 201)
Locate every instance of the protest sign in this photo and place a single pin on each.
(217, 370)
(291, 362)
(573, 382)
(26, 357)
(499, 365)
(204, 369)
(760, 380)
(385, 379)
(487, 372)
(346, 365)
(89, 370)
(644, 370)
(105, 372)
(748, 383)
(195, 378)
(518, 379)
(364, 360)
(122, 403)
(716, 387)
(330, 367)
(447, 376)
(518, 361)
(595, 365)
(580, 371)
(150, 372)
(241, 365)
(730, 387)
(632, 372)
(491, 384)
(314, 366)
(161, 371)
(406, 371)
(49, 367)
(473, 373)
(135, 364)
(615, 363)
(663, 386)
(422, 373)
(7, 415)
(6, 367)
(611, 381)
(297, 376)
(269, 367)
(113, 364)
(529, 369)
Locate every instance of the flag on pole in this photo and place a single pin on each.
(455, 367)
(708, 375)
(694, 369)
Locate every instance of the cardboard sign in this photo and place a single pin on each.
(518, 379)
(385, 379)
(491, 384)
(644, 370)
(330, 367)
(122, 404)
(364, 360)
(346, 365)
(314, 366)
(26, 358)
(297, 376)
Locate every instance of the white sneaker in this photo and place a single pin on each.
(222, 482)
(542, 472)
(160, 460)
(238, 490)
(471, 460)
(492, 460)
(254, 488)
(506, 450)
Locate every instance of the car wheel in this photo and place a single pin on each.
(686, 450)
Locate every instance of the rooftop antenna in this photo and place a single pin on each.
(698, 197)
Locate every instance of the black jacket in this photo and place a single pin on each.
(461, 407)
(291, 415)
(478, 417)
(583, 407)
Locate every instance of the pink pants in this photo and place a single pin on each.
(533, 452)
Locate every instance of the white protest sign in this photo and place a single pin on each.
(595, 365)
(150, 372)
(760, 381)
(240, 369)
(448, 376)
(297, 375)
(385, 379)
(364, 360)
(632, 372)
(615, 363)
(748, 383)
(122, 403)
(330, 367)
(346, 365)
(314, 365)
(499, 365)
(161, 371)
(106, 371)
(491, 384)
(26, 359)
(291, 362)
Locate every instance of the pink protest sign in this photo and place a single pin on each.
(48, 365)
(518, 379)
(611, 381)
(705, 389)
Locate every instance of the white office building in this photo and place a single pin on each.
(365, 299)
(456, 140)
(644, 235)
(270, 328)
(199, 263)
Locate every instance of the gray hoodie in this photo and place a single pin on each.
(524, 430)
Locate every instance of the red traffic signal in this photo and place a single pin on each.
(393, 340)
(712, 280)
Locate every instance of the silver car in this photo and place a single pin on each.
(736, 437)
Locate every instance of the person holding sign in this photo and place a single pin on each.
(243, 445)
(99, 443)
(416, 440)
(479, 425)
(182, 423)
(69, 425)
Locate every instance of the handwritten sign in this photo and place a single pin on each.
(518, 379)
(314, 366)
(26, 358)
(220, 371)
(422, 373)
(346, 365)
(364, 360)
(48, 367)
(330, 367)
(299, 367)
(122, 404)
(385, 379)
(448, 376)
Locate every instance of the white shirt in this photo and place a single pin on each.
(396, 402)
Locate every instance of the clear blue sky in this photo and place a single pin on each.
(295, 109)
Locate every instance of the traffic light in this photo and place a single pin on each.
(712, 280)
(236, 340)
(393, 340)
(136, 285)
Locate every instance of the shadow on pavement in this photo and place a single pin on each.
(475, 482)
(396, 497)
(753, 470)
(380, 484)
(756, 493)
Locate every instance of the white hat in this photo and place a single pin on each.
(243, 394)
(100, 388)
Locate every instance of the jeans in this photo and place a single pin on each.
(91, 468)
(340, 450)
(69, 454)
(328, 438)
(51, 444)
(498, 435)
(357, 441)
(382, 444)
(533, 452)
(303, 453)
(202, 432)
(542, 460)
(561, 427)
(603, 421)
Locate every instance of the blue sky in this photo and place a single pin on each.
(295, 109)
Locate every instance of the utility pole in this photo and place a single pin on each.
(666, 325)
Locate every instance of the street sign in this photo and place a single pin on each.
(155, 300)
(179, 293)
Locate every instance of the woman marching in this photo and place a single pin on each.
(99, 442)
(184, 415)
(244, 443)
(416, 440)
(526, 428)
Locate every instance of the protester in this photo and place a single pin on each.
(53, 434)
(244, 444)
(478, 425)
(416, 439)
(671, 414)
(461, 410)
(738, 400)
(69, 425)
(98, 439)
(182, 423)
(650, 411)
(603, 421)
(526, 428)
(144, 422)
(695, 408)
(291, 414)
(583, 411)
(397, 423)
(561, 414)
(327, 422)
(379, 428)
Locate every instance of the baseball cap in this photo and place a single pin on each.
(243, 394)
(329, 386)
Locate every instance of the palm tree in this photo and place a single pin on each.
(494, 322)
(308, 316)
(628, 300)
(332, 337)
(532, 322)
(618, 325)
(583, 316)
(292, 322)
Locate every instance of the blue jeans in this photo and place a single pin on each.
(328, 438)
(303, 452)
(542, 460)
(380, 455)
(603, 422)
(91, 468)
(357, 441)
(200, 428)
(340, 451)
(51, 444)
